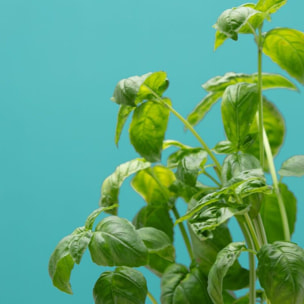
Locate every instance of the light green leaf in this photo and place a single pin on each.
(115, 242)
(281, 272)
(123, 285)
(286, 48)
(126, 90)
(179, 286)
(293, 166)
(123, 114)
(270, 81)
(156, 216)
(173, 143)
(152, 184)
(225, 259)
(271, 214)
(203, 107)
(92, 217)
(270, 6)
(160, 248)
(224, 147)
(239, 106)
(111, 185)
(219, 39)
(147, 129)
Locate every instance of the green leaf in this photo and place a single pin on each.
(173, 143)
(224, 147)
(68, 252)
(111, 185)
(179, 286)
(274, 126)
(153, 185)
(286, 48)
(219, 39)
(270, 81)
(294, 166)
(123, 285)
(147, 129)
(160, 248)
(123, 114)
(271, 214)
(235, 20)
(156, 216)
(281, 272)
(270, 6)
(115, 242)
(239, 106)
(154, 85)
(225, 259)
(126, 90)
(92, 217)
(203, 107)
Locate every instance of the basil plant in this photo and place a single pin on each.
(213, 190)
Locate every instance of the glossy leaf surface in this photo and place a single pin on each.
(271, 214)
(293, 166)
(224, 261)
(179, 286)
(239, 106)
(160, 248)
(123, 285)
(116, 243)
(281, 272)
(111, 185)
(286, 48)
(147, 129)
(123, 114)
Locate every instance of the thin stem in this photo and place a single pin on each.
(262, 229)
(252, 232)
(184, 233)
(276, 187)
(152, 299)
(212, 178)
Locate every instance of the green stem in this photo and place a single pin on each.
(152, 299)
(212, 178)
(262, 229)
(184, 233)
(276, 188)
(252, 231)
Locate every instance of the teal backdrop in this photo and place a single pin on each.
(59, 63)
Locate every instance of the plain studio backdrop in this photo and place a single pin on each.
(59, 63)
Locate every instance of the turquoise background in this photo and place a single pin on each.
(59, 63)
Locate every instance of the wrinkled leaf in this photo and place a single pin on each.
(111, 185)
(156, 216)
(115, 242)
(179, 286)
(224, 147)
(281, 272)
(225, 259)
(271, 214)
(147, 129)
(293, 166)
(123, 285)
(286, 48)
(270, 6)
(203, 107)
(123, 114)
(160, 248)
(239, 106)
(152, 184)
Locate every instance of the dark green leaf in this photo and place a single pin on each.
(156, 216)
(116, 242)
(111, 185)
(269, 6)
(286, 48)
(124, 285)
(224, 147)
(203, 107)
(126, 90)
(179, 286)
(123, 114)
(270, 81)
(281, 272)
(271, 214)
(147, 129)
(225, 259)
(239, 106)
(161, 250)
(274, 126)
(152, 184)
(293, 166)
